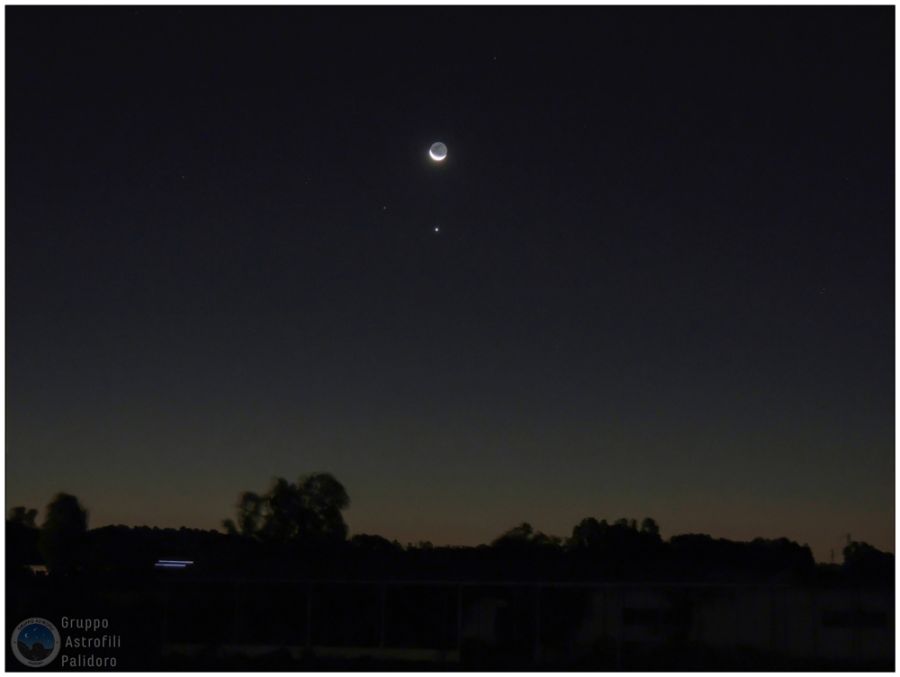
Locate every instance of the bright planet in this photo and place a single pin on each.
(438, 151)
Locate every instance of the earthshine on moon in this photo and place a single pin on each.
(438, 151)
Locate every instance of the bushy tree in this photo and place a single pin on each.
(588, 532)
(21, 537)
(867, 563)
(372, 543)
(524, 535)
(649, 526)
(63, 533)
(309, 510)
(591, 534)
(22, 516)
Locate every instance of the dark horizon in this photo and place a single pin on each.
(662, 285)
(561, 539)
(285, 588)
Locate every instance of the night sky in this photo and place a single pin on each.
(663, 283)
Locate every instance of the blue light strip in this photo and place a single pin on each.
(173, 563)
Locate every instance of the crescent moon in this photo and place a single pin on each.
(437, 152)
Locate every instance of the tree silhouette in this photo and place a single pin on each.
(310, 510)
(866, 562)
(649, 526)
(21, 537)
(309, 513)
(524, 535)
(588, 533)
(249, 515)
(23, 516)
(325, 499)
(63, 532)
(375, 544)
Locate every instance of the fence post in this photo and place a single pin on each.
(857, 626)
(814, 622)
(309, 591)
(773, 639)
(165, 617)
(620, 627)
(236, 619)
(537, 623)
(383, 602)
(735, 618)
(459, 620)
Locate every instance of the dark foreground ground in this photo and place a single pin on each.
(176, 621)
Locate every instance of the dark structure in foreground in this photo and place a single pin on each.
(611, 596)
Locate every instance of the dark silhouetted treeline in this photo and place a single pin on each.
(297, 530)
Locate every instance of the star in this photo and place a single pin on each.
(437, 229)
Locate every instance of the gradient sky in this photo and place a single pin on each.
(663, 282)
